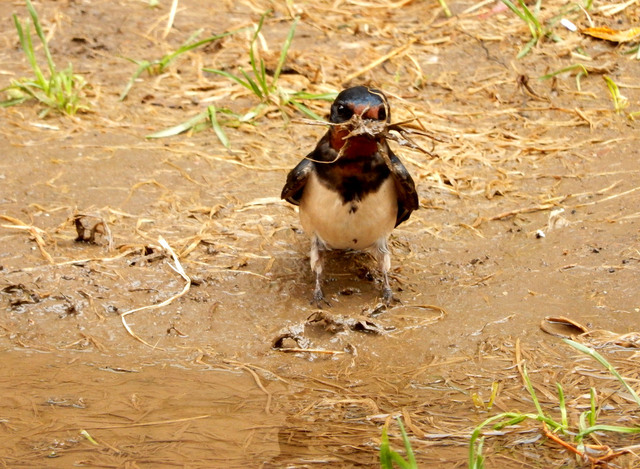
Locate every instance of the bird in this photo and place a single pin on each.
(352, 190)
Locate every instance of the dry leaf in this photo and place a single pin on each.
(609, 34)
(561, 326)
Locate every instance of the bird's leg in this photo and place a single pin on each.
(317, 266)
(383, 256)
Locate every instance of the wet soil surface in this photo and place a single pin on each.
(530, 208)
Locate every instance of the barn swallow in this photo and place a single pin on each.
(351, 189)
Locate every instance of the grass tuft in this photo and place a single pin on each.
(265, 87)
(60, 91)
(157, 66)
(587, 421)
(535, 26)
(212, 117)
(620, 102)
(259, 83)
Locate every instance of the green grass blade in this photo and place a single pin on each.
(532, 392)
(259, 91)
(582, 422)
(527, 48)
(319, 97)
(388, 456)
(167, 59)
(608, 428)
(209, 39)
(534, 25)
(385, 451)
(592, 413)
(563, 407)
(445, 8)
(43, 39)
(514, 420)
(258, 67)
(619, 101)
(411, 459)
(600, 359)
(583, 72)
(285, 50)
(396, 458)
(231, 77)
(142, 66)
(27, 46)
(252, 44)
(222, 136)
(564, 70)
(162, 63)
(261, 78)
(476, 460)
(305, 110)
(178, 129)
(13, 102)
(514, 9)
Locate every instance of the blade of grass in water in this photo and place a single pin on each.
(587, 420)
(385, 451)
(603, 361)
(388, 456)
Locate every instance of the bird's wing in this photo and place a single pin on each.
(298, 176)
(296, 180)
(405, 188)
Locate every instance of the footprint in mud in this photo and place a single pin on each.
(320, 324)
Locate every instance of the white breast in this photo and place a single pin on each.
(354, 225)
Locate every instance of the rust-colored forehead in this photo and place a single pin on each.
(369, 112)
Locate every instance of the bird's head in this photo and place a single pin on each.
(366, 102)
(361, 113)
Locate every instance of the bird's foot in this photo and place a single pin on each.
(388, 297)
(319, 300)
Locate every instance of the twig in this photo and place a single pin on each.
(510, 213)
(614, 196)
(566, 445)
(256, 378)
(180, 270)
(34, 231)
(310, 350)
(172, 16)
(149, 424)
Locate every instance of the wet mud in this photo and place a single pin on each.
(529, 210)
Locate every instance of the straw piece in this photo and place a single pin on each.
(180, 270)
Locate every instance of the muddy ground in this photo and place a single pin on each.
(529, 209)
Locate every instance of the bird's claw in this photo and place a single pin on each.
(319, 300)
(388, 297)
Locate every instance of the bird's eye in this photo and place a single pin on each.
(345, 112)
(382, 114)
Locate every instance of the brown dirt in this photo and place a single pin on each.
(474, 280)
